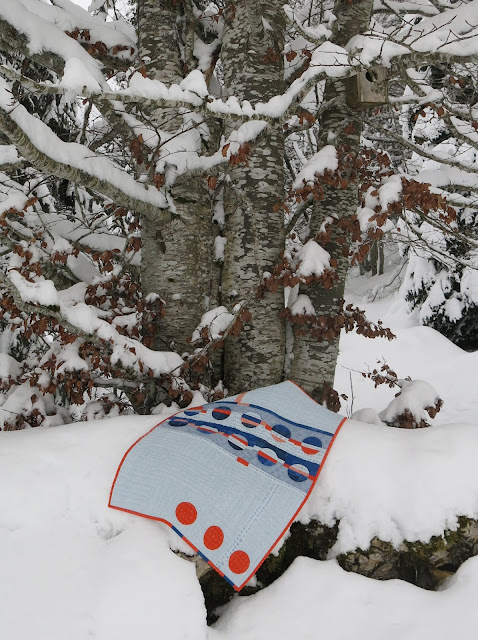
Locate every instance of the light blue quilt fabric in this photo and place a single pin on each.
(229, 477)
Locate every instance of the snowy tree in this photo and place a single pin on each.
(440, 279)
(166, 172)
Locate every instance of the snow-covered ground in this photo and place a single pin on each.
(419, 352)
(72, 569)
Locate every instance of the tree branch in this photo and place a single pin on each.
(77, 175)
(48, 312)
(419, 150)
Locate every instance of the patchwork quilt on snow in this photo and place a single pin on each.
(230, 477)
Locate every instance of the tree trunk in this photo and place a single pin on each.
(177, 261)
(314, 362)
(253, 70)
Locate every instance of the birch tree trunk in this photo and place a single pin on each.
(253, 70)
(177, 259)
(314, 362)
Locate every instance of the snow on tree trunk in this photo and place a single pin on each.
(314, 362)
(253, 70)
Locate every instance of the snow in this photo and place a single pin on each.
(318, 32)
(415, 396)
(62, 245)
(74, 154)
(67, 15)
(363, 493)
(8, 154)
(14, 200)
(423, 6)
(454, 31)
(44, 27)
(71, 305)
(217, 321)
(469, 284)
(303, 305)
(71, 360)
(390, 191)
(22, 399)
(417, 351)
(313, 260)
(77, 77)
(324, 159)
(196, 83)
(73, 569)
(9, 367)
(180, 151)
(366, 415)
(219, 247)
(318, 599)
(191, 89)
(41, 292)
(126, 350)
(87, 571)
(328, 60)
(92, 572)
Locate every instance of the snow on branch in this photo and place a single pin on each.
(441, 158)
(78, 164)
(451, 34)
(38, 144)
(412, 406)
(325, 159)
(423, 8)
(44, 28)
(192, 92)
(83, 320)
(110, 32)
(316, 34)
(29, 308)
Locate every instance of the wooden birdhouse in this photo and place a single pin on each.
(367, 89)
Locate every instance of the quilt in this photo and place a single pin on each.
(230, 477)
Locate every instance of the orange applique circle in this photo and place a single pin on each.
(213, 538)
(186, 513)
(239, 562)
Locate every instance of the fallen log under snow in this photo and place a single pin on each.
(390, 503)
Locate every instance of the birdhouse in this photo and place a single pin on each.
(367, 88)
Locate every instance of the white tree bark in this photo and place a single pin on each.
(176, 258)
(314, 362)
(253, 70)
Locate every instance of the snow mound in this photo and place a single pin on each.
(397, 484)
(415, 396)
(325, 159)
(303, 305)
(84, 570)
(216, 320)
(81, 569)
(318, 599)
(419, 352)
(77, 77)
